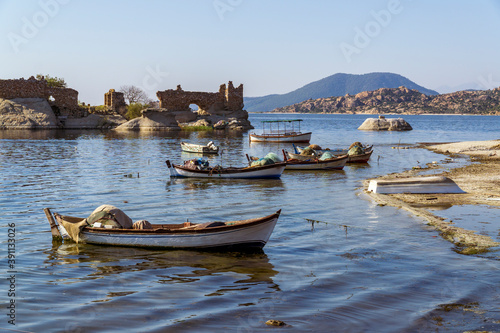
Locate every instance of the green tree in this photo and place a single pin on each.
(134, 110)
(52, 81)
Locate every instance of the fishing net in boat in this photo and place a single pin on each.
(326, 156)
(262, 161)
(273, 157)
(357, 143)
(307, 151)
(107, 215)
(142, 224)
(110, 215)
(315, 147)
(356, 150)
(196, 164)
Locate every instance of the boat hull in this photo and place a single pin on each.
(337, 163)
(298, 137)
(244, 234)
(419, 185)
(266, 171)
(199, 149)
(361, 158)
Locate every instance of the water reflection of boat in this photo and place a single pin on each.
(275, 184)
(108, 261)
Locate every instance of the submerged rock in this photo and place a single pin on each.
(274, 322)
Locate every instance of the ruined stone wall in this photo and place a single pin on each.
(33, 88)
(234, 97)
(115, 100)
(230, 99)
(64, 97)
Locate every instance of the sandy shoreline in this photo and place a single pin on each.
(480, 179)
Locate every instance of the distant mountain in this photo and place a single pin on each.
(334, 85)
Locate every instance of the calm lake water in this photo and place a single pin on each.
(336, 261)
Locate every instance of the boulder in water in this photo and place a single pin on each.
(384, 124)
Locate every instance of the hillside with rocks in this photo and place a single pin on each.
(402, 101)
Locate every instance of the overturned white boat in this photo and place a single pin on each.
(433, 184)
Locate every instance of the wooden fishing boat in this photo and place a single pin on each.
(265, 171)
(358, 158)
(209, 148)
(242, 234)
(432, 184)
(283, 134)
(335, 163)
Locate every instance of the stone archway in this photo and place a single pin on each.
(226, 99)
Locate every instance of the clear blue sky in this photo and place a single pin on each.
(271, 46)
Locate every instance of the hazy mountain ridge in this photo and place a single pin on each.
(335, 85)
(403, 101)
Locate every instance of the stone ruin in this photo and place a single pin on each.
(59, 98)
(115, 100)
(226, 99)
(32, 104)
(220, 110)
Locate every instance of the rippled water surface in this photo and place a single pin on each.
(335, 262)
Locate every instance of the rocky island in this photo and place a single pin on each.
(402, 101)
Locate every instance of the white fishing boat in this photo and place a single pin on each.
(240, 234)
(432, 184)
(283, 131)
(196, 171)
(209, 148)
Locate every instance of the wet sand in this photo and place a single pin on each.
(480, 179)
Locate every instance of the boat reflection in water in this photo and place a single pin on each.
(116, 268)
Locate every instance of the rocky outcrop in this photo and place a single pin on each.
(27, 113)
(152, 119)
(402, 101)
(164, 119)
(383, 124)
(36, 113)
